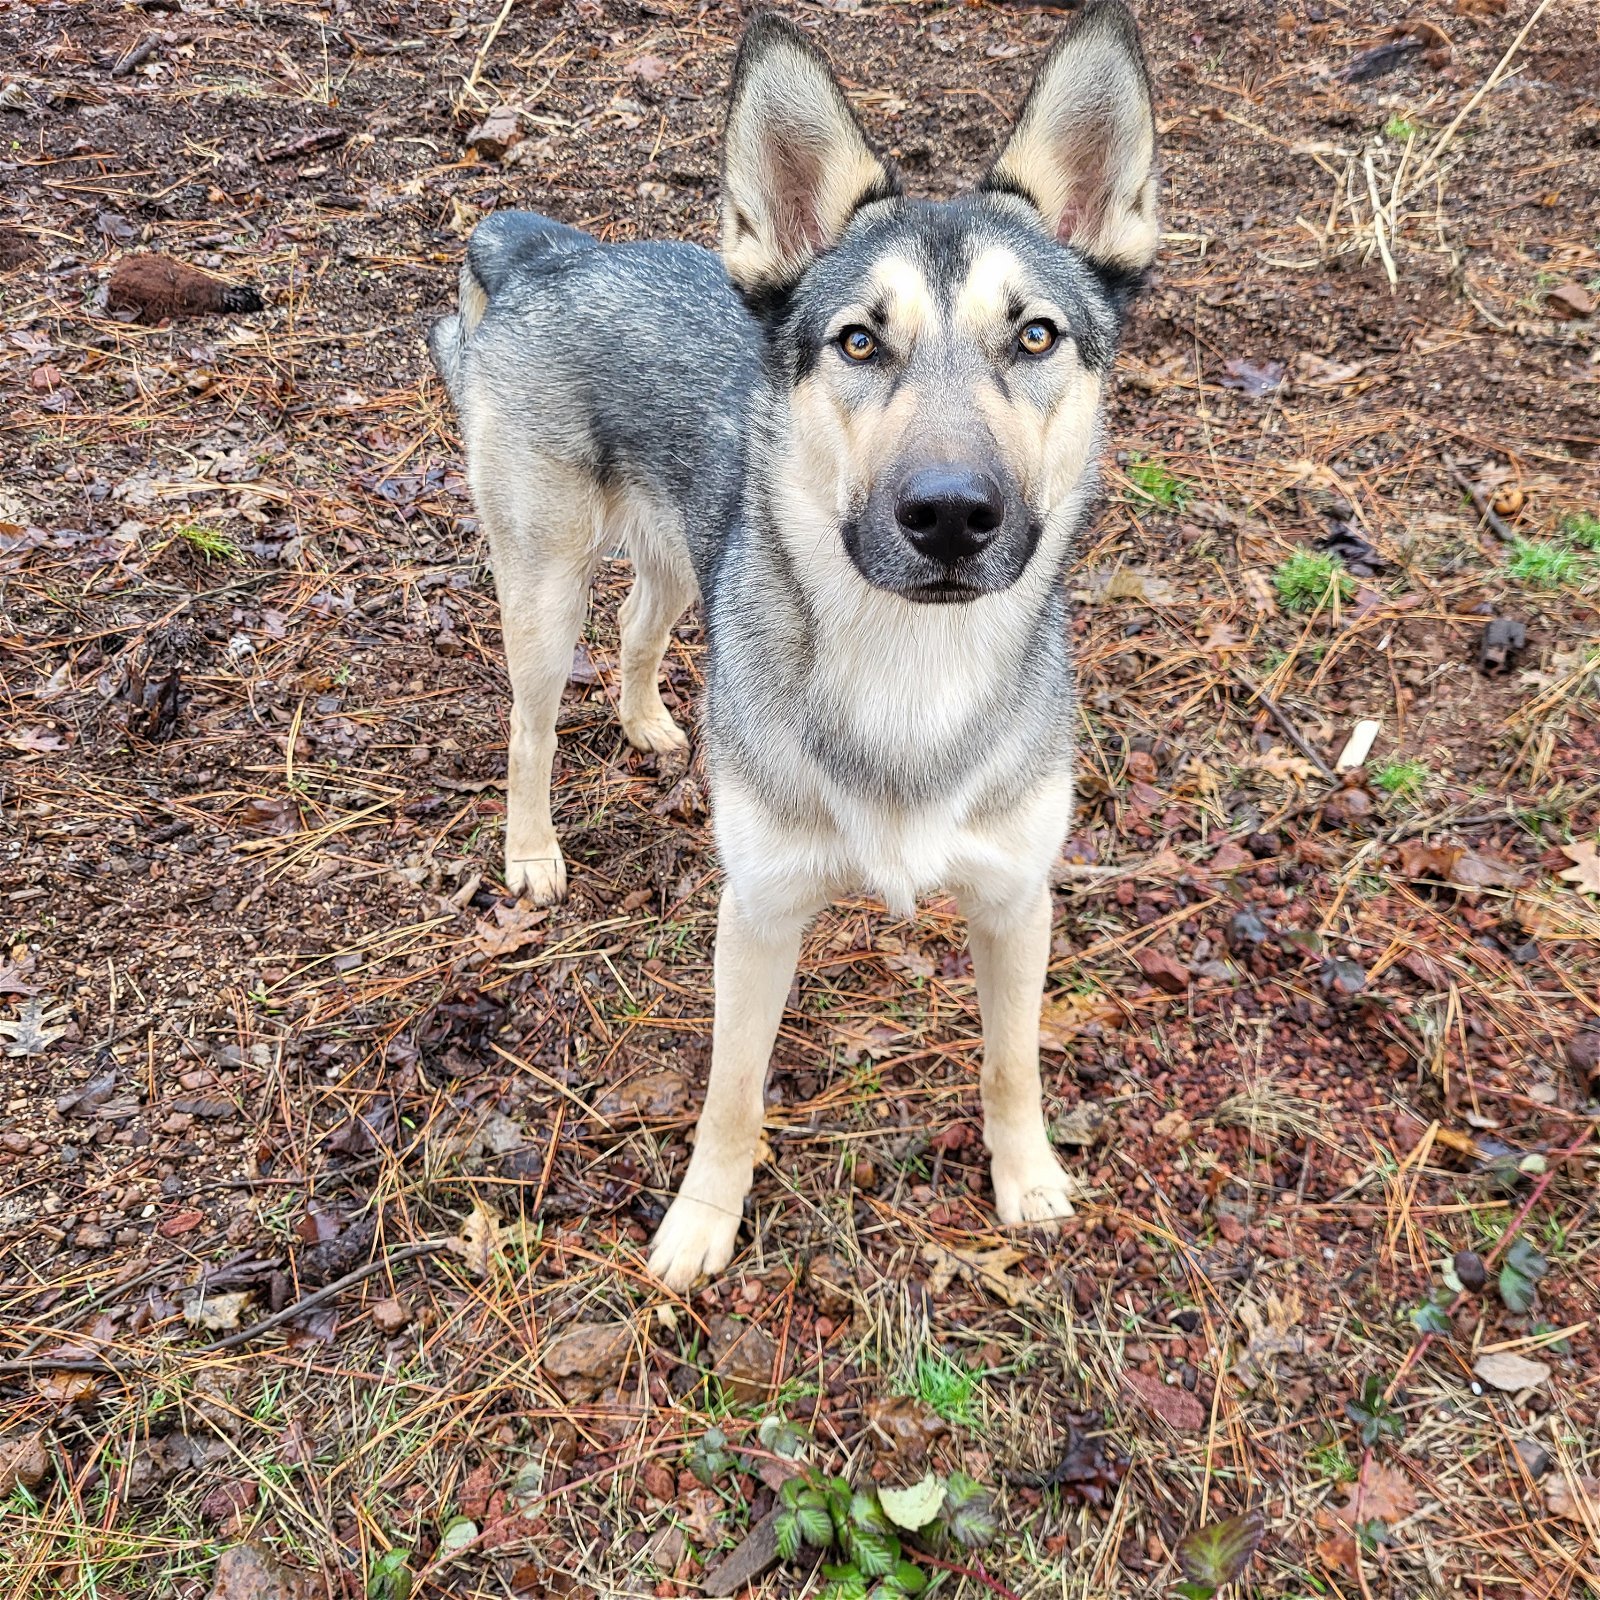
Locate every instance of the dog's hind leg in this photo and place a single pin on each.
(1010, 951)
(661, 593)
(542, 547)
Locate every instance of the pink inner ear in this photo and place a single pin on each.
(797, 176)
(1083, 215)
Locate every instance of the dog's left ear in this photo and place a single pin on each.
(795, 164)
(1083, 153)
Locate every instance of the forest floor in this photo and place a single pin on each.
(326, 1170)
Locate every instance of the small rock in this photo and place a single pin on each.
(744, 1359)
(1503, 639)
(496, 134)
(90, 1237)
(1470, 1272)
(248, 1573)
(832, 1287)
(1348, 807)
(228, 1499)
(1083, 1125)
(588, 1357)
(22, 1460)
(1583, 1054)
(1165, 972)
(1534, 1457)
(1246, 930)
(1569, 301)
(389, 1316)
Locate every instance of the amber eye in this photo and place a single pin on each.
(1036, 338)
(858, 344)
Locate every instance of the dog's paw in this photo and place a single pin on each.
(654, 730)
(1036, 1190)
(538, 874)
(695, 1240)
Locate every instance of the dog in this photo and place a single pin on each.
(865, 436)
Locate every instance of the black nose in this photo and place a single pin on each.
(950, 512)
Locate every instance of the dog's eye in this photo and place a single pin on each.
(858, 344)
(1036, 338)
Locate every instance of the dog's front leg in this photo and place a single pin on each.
(755, 960)
(1010, 950)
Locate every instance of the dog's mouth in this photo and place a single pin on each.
(944, 592)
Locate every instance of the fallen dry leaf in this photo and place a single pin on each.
(1382, 1494)
(30, 1033)
(1272, 1332)
(479, 1240)
(1456, 865)
(988, 1267)
(220, 1313)
(1504, 1369)
(1064, 1016)
(1585, 869)
(1568, 1497)
(507, 929)
(1570, 301)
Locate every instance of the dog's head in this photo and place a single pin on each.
(944, 362)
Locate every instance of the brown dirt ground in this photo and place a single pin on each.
(285, 1027)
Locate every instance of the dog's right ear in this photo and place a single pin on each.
(795, 164)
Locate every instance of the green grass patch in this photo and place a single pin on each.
(1581, 528)
(211, 543)
(1404, 780)
(1331, 1462)
(943, 1385)
(1543, 564)
(1155, 483)
(1401, 128)
(1308, 578)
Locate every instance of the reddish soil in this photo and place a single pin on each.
(270, 1021)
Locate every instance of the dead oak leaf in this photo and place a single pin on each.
(1577, 1499)
(30, 1032)
(507, 929)
(1585, 869)
(989, 1267)
(1064, 1016)
(479, 1240)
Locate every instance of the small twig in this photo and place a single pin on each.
(977, 1574)
(1496, 524)
(1286, 722)
(316, 1297)
(137, 56)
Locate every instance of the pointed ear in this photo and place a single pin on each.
(1083, 153)
(795, 164)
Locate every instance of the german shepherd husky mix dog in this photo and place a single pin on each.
(865, 436)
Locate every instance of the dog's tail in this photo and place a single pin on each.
(501, 246)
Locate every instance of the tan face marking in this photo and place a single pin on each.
(911, 311)
(986, 295)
